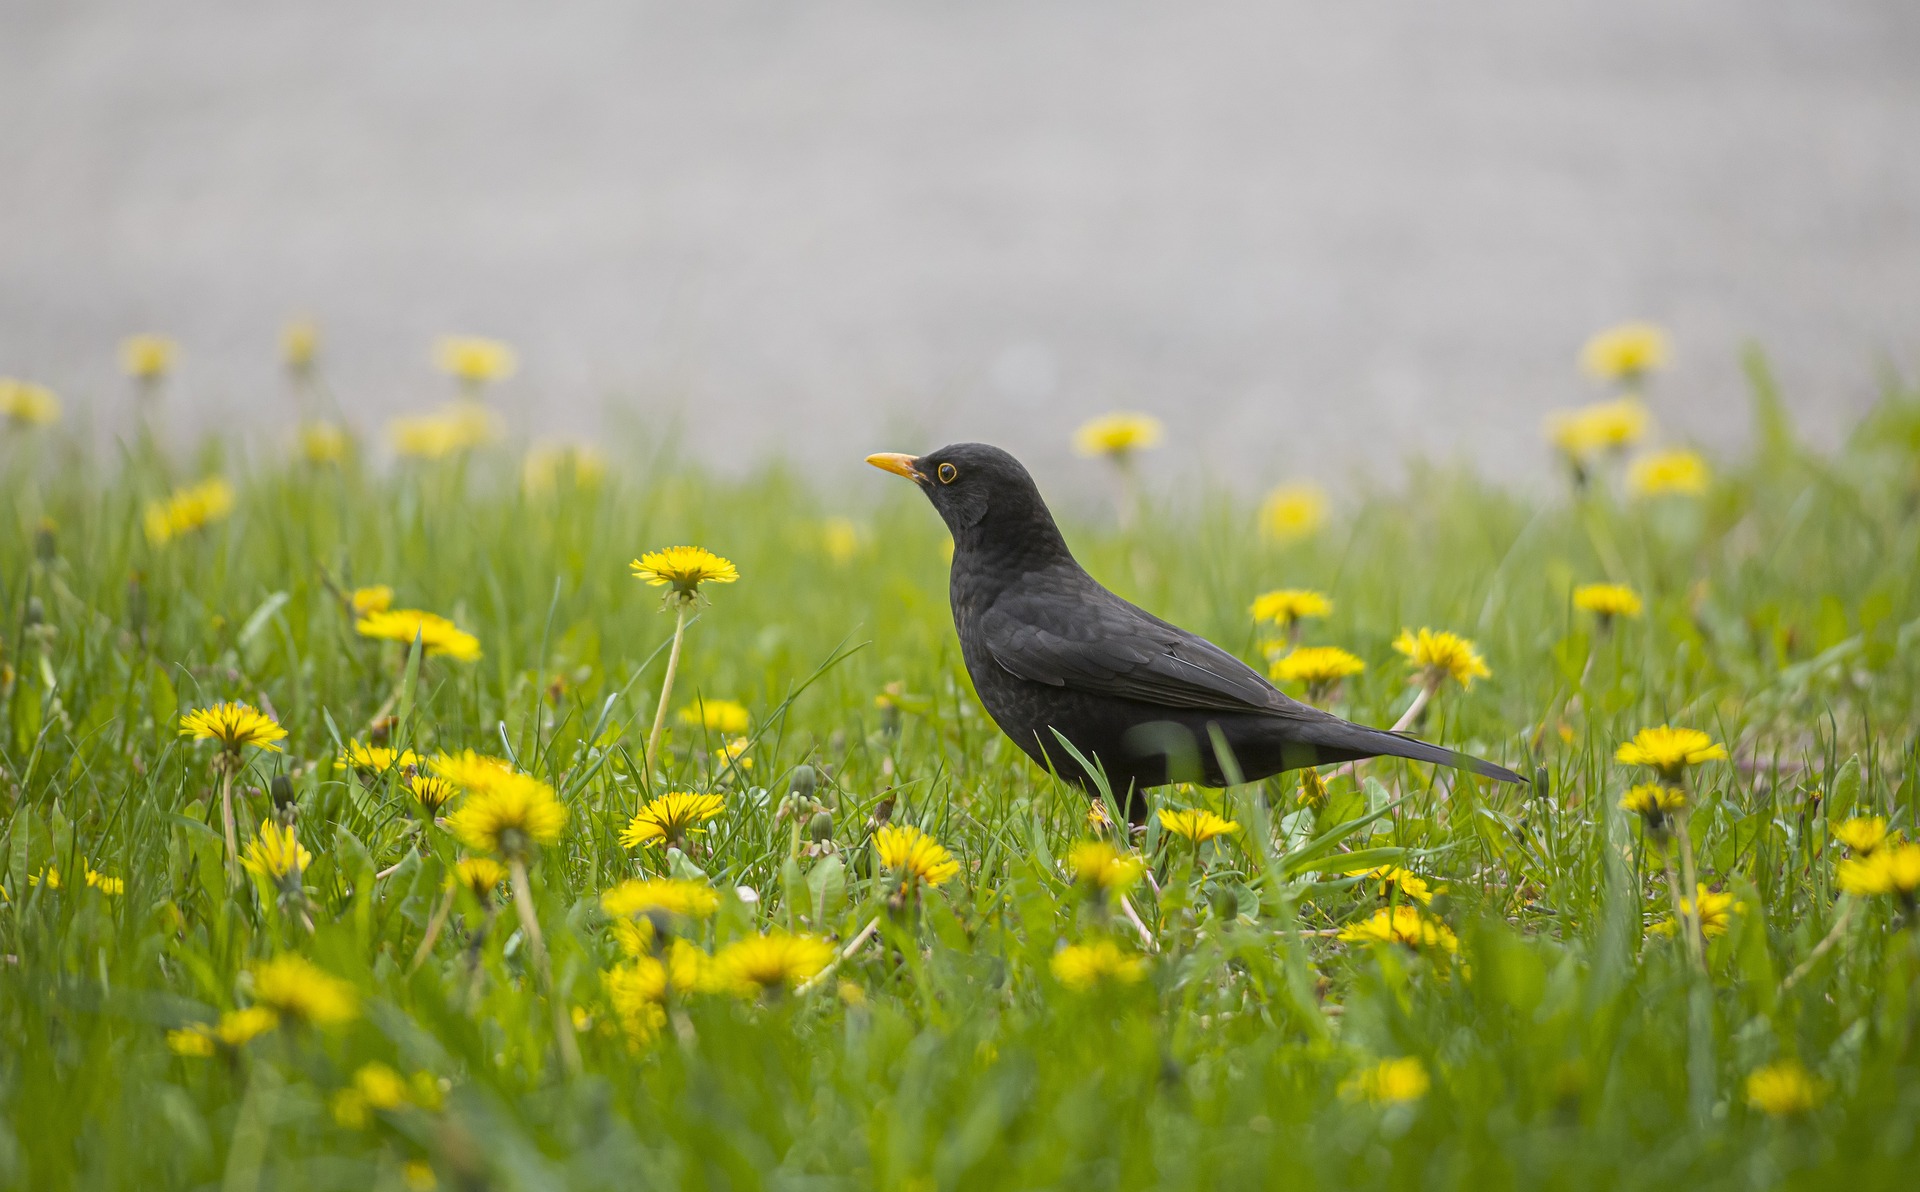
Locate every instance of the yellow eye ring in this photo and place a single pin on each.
(948, 473)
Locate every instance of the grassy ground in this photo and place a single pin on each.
(1237, 1039)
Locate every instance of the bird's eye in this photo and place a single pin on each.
(948, 473)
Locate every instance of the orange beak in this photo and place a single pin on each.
(898, 464)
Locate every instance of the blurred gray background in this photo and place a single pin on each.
(1305, 234)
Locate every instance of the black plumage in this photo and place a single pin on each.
(1050, 649)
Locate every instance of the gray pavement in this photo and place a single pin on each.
(1309, 235)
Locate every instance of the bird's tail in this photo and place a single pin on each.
(1357, 740)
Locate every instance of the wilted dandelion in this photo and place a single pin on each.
(549, 467)
(1782, 1089)
(276, 854)
(1670, 750)
(1607, 601)
(770, 963)
(473, 360)
(1403, 924)
(1089, 966)
(148, 358)
(300, 991)
(1389, 1082)
(1677, 472)
(25, 404)
(188, 509)
(670, 818)
(1293, 511)
(1625, 353)
(916, 857)
(438, 637)
(1196, 824)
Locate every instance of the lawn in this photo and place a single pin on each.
(834, 930)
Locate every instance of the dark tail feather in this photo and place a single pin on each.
(1361, 741)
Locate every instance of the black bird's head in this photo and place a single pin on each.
(986, 498)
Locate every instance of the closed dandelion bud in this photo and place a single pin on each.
(820, 827)
(36, 612)
(45, 547)
(1226, 903)
(281, 788)
(803, 782)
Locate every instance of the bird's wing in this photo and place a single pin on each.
(1103, 645)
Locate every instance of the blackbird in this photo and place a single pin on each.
(1050, 650)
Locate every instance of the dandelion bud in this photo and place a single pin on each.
(36, 612)
(820, 827)
(804, 782)
(1226, 903)
(281, 788)
(45, 547)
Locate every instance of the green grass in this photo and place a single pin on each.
(1566, 1045)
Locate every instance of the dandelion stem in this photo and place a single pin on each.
(666, 685)
(226, 817)
(523, 905)
(847, 953)
(1133, 917)
(434, 927)
(1416, 709)
(1691, 920)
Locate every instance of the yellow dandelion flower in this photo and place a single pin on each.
(1439, 655)
(916, 856)
(1196, 824)
(1670, 750)
(452, 430)
(1316, 666)
(1284, 606)
(324, 443)
(1782, 1089)
(235, 726)
(840, 538)
(1716, 912)
(1607, 600)
(417, 1175)
(474, 360)
(439, 637)
(1410, 884)
(297, 989)
(480, 875)
(1678, 472)
(1096, 865)
(186, 510)
(1626, 352)
(236, 1028)
(24, 404)
(1599, 427)
(509, 815)
(685, 568)
(670, 817)
(276, 854)
(374, 759)
(667, 896)
(549, 466)
(764, 963)
(1655, 803)
(148, 357)
(300, 345)
(1117, 435)
(1889, 869)
(717, 716)
(110, 886)
(1403, 924)
(1862, 835)
(374, 598)
(432, 791)
(1389, 1082)
(1293, 511)
(469, 770)
(1083, 967)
